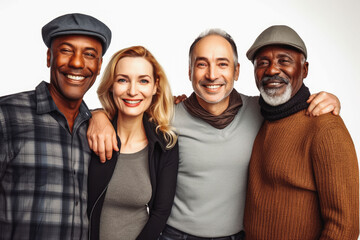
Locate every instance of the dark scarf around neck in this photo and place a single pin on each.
(220, 121)
(294, 105)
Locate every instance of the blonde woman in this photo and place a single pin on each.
(130, 196)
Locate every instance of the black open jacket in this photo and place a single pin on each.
(163, 168)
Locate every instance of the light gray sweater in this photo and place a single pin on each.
(211, 185)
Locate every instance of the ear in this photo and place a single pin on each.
(305, 69)
(189, 73)
(48, 58)
(100, 64)
(237, 72)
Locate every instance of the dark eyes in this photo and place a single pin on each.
(65, 50)
(90, 54)
(87, 54)
(261, 63)
(284, 60)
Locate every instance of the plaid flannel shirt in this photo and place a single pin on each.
(43, 169)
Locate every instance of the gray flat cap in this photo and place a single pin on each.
(277, 35)
(77, 23)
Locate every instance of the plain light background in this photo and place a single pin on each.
(329, 28)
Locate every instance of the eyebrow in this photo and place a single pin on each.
(284, 55)
(122, 75)
(91, 49)
(127, 76)
(280, 55)
(145, 75)
(262, 58)
(206, 59)
(223, 59)
(201, 59)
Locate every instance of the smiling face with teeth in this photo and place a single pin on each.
(279, 73)
(213, 73)
(74, 61)
(134, 86)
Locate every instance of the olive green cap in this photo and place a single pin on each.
(277, 35)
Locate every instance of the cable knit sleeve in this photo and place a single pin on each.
(337, 178)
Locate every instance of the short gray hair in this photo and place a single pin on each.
(219, 32)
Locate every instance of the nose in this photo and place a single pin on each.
(212, 73)
(272, 70)
(132, 89)
(77, 60)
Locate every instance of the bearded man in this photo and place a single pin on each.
(303, 180)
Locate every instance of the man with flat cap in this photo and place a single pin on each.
(303, 180)
(44, 154)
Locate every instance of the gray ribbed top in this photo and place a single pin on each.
(124, 212)
(211, 185)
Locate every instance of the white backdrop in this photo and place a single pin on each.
(330, 29)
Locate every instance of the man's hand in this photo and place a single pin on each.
(180, 98)
(323, 102)
(101, 136)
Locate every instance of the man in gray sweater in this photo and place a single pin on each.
(216, 127)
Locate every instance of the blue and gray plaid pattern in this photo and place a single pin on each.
(43, 169)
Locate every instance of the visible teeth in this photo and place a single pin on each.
(73, 77)
(212, 86)
(274, 84)
(132, 102)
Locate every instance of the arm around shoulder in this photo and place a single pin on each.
(323, 102)
(101, 135)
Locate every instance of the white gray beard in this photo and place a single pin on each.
(272, 99)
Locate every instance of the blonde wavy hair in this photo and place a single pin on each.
(161, 110)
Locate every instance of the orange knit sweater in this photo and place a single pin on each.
(303, 181)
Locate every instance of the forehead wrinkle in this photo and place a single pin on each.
(286, 54)
(213, 45)
(223, 59)
(91, 49)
